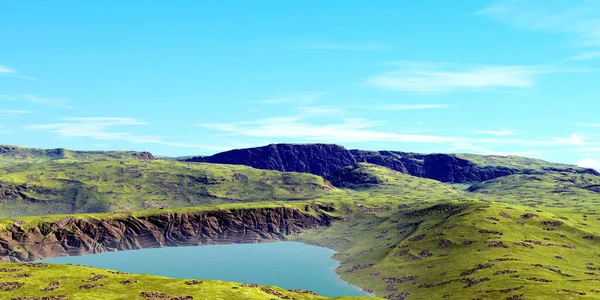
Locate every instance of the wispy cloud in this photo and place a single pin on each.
(62, 103)
(362, 46)
(8, 72)
(589, 124)
(407, 106)
(578, 18)
(350, 130)
(5, 112)
(101, 128)
(300, 98)
(497, 132)
(589, 163)
(320, 110)
(426, 77)
(4, 69)
(586, 55)
(574, 139)
(47, 101)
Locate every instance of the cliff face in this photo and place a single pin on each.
(70, 236)
(325, 159)
(318, 159)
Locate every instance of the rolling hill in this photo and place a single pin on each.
(513, 228)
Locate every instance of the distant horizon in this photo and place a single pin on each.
(197, 155)
(488, 77)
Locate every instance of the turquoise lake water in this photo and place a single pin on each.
(289, 265)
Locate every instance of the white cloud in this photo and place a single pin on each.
(4, 69)
(462, 146)
(586, 55)
(443, 77)
(300, 98)
(349, 130)
(320, 110)
(5, 112)
(497, 132)
(589, 163)
(589, 124)
(579, 17)
(46, 101)
(408, 106)
(576, 139)
(100, 128)
(363, 46)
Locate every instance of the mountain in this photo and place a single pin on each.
(325, 159)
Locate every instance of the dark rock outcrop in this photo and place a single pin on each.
(318, 159)
(71, 236)
(325, 159)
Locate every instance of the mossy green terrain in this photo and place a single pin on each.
(534, 235)
(35, 281)
(74, 186)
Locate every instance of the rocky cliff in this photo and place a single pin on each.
(71, 236)
(325, 159)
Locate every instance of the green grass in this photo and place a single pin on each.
(74, 186)
(72, 277)
(529, 236)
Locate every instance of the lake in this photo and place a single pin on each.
(289, 265)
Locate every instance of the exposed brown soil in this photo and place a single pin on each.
(161, 296)
(10, 286)
(54, 285)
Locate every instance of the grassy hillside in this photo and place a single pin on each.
(11, 155)
(518, 163)
(34, 281)
(522, 236)
(75, 186)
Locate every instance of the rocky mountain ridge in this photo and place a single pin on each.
(325, 159)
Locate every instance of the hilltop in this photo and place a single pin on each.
(326, 159)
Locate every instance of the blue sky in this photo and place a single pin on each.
(199, 77)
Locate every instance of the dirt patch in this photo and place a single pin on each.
(59, 297)
(13, 276)
(161, 296)
(490, 232)
(10, 270)
(504, 215)
(54, 285)
(445, 244)
(392, 282)
(476, 268)
(90, 286)
(539, 279)
(397, 296)
(303, 292)
(128, 282)
(529, 216)
(193, 282)
(552, 269)
(95, 278)
(502, 272)
(523, 244)
(572, 292)
(275, 293)
(35, 265)
(249, 285)
(10, 286)
(359, 267)
(417, 238)
(552, 223)
(495, 244)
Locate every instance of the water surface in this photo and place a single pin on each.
(289, 265)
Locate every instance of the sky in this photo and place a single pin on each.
(198, 77)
